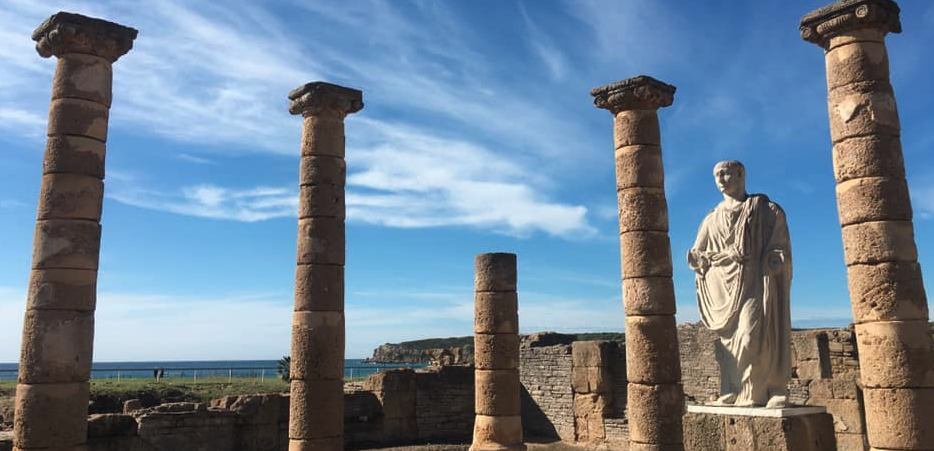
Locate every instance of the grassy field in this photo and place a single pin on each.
(108, 395)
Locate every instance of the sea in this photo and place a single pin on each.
(256, 369)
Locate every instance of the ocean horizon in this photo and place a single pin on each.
(194, 369)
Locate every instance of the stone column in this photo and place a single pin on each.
(316, 419)
(886, 290)
(58, 331)
(655, 398)
(498, 423)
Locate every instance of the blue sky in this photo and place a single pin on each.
(478, 135)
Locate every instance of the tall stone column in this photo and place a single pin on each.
(58, 331)
(655, 398)
(886, 290)
(498, 424)
(316, 410)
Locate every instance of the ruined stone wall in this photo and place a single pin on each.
(547, 398)
(444, 404)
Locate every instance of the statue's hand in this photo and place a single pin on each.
(698, 262)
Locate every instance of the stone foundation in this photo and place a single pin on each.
(714, 431)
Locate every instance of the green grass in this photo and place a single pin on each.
(108, 395)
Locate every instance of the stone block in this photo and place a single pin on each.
(589, 412)
(51, 415)
(703, 432)
(654, 413)
(323, 135)
(896, 354)
(319, 288)
(321, 200)
(855, 112)
(639, 167)
(636, 446)
(74, 155)
(887, 291)
(649, 296)
(496, 312)
(254, 409)
(402, 379)
(70, 196)
(322, 444)
(879, 242)
(317, 345)
(66, 243)
(591, 379)
(57, 346)
(78, 117)
(111, 425)
(316, 409)
(856, 62)
(497, 392)
(900, 418)
(636, 127)
(321, 241)
(652, 355)
(496, 351)
(62, 289)
(322, 169)
(645, 254)
(847, 415)
(132, 405)
(809, 369)
(868, 156)
(854, 442)
(642, 209)
(489, 431)
(873, 199)
(819, 390)
(592, 353)
(82, 76)
(495, 272)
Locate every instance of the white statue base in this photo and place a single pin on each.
(783, 412)
(729, 428)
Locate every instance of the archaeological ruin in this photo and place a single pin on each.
(867, 386)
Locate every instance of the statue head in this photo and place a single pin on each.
(730, 177)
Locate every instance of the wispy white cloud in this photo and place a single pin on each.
(214, 202)
(544, 47)
(195, 159)
(405, 179)
(217, 76)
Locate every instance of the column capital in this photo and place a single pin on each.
(316, 97)
(64, 33)
(636, 93)
(820, 25)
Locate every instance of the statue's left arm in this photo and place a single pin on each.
(778, 250)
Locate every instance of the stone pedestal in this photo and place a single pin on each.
(890, 309)
(498, 424)
(655, 397)
(58, 331)
(740, 429)
(316, 420)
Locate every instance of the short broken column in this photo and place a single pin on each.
(498, 422)
(58, 331)
(654, 398)
(316, 419)
(887, 295)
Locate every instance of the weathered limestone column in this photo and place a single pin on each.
(886, 290)
(498, 424)
(316, 411)
(655, 397)
(58, 331)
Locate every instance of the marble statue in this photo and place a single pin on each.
(742, 261)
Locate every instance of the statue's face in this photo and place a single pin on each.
(729, 180)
